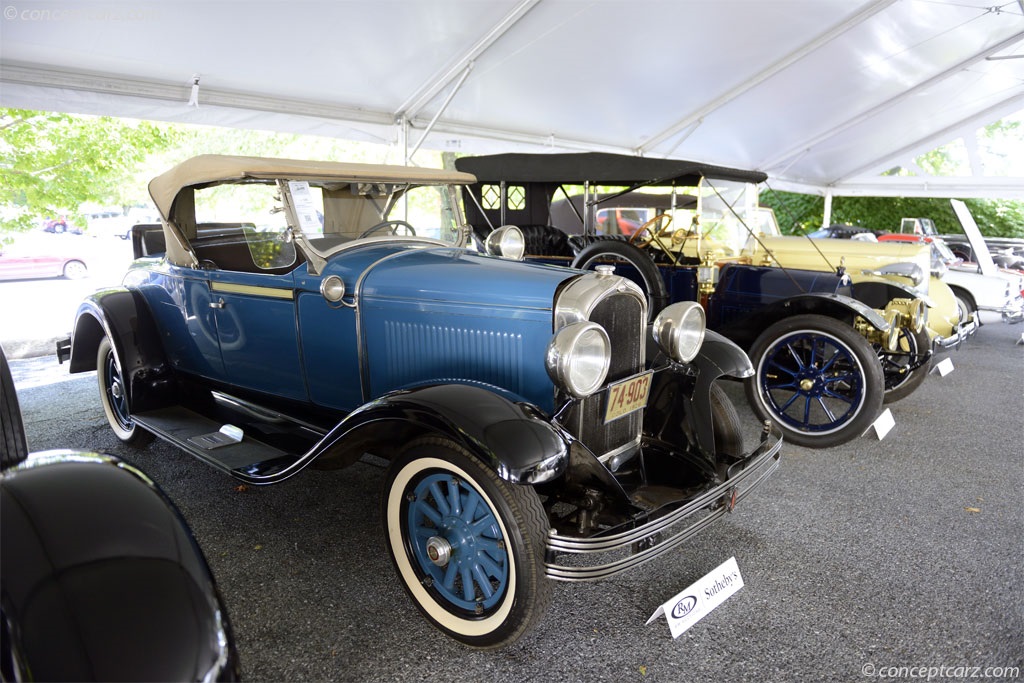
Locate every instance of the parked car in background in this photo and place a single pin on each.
(109, 222)
(290, 314)
(29, 258)
(846, 232)
(787, 319)
(100, 576)
(1007, 252)
(979, 284)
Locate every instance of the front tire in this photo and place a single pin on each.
(114, 397)
(14, 447)
(817, 379)
(467, 545)
(725, 421)
(899, 383)
(965, 304)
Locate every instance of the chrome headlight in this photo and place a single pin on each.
(507, 242)
(679, 330)
(578, 358)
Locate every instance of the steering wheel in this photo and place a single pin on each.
(636, 238)
(393, 224)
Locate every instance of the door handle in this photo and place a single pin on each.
(218, 304)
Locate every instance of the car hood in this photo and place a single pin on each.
(826, 254)
(980, 250)
(453, 275)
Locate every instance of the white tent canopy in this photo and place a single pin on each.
(822, 95)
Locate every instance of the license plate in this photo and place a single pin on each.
(627, 396)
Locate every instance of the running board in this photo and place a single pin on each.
(245, 459)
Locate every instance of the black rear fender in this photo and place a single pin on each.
(124, 317)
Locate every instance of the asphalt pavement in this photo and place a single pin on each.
(875, 559)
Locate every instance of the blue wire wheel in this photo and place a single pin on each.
(818, 379)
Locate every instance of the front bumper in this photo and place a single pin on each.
(960, 335)
(658, 536)
(1013, 312)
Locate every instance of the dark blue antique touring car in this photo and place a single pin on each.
(290, 314)
(827, 350)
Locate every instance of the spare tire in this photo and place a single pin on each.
(617, 252)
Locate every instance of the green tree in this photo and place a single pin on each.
(798, 213)
(51, 163)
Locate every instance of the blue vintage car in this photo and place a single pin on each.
(292, 314)
(827, 352)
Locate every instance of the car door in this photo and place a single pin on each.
(256, 329)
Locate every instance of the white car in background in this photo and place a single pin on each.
(979, 285)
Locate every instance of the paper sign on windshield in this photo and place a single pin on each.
(305, 208)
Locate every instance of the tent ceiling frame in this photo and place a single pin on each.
(928, 142)
(809, 144)
(434, 85)
(784, 63)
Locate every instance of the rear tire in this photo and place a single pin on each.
(817, 379)
(114, 397)
(467, 545)
(75, 270)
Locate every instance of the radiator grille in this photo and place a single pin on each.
(622, 316)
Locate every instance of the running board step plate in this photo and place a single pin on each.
(247, 457)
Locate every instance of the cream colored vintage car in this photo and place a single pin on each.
(758, 241)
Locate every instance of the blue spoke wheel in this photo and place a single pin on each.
(817, 378)
(467, 545)
(114, 397)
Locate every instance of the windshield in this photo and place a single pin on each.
(943, 253)
(273, 217)
(721, 215)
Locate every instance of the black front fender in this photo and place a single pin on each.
(681, 394)
(514, 438)
(718, 357)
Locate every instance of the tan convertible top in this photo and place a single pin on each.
(212, 168)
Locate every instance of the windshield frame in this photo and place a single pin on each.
(317, 257)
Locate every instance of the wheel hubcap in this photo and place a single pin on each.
(439, 550)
